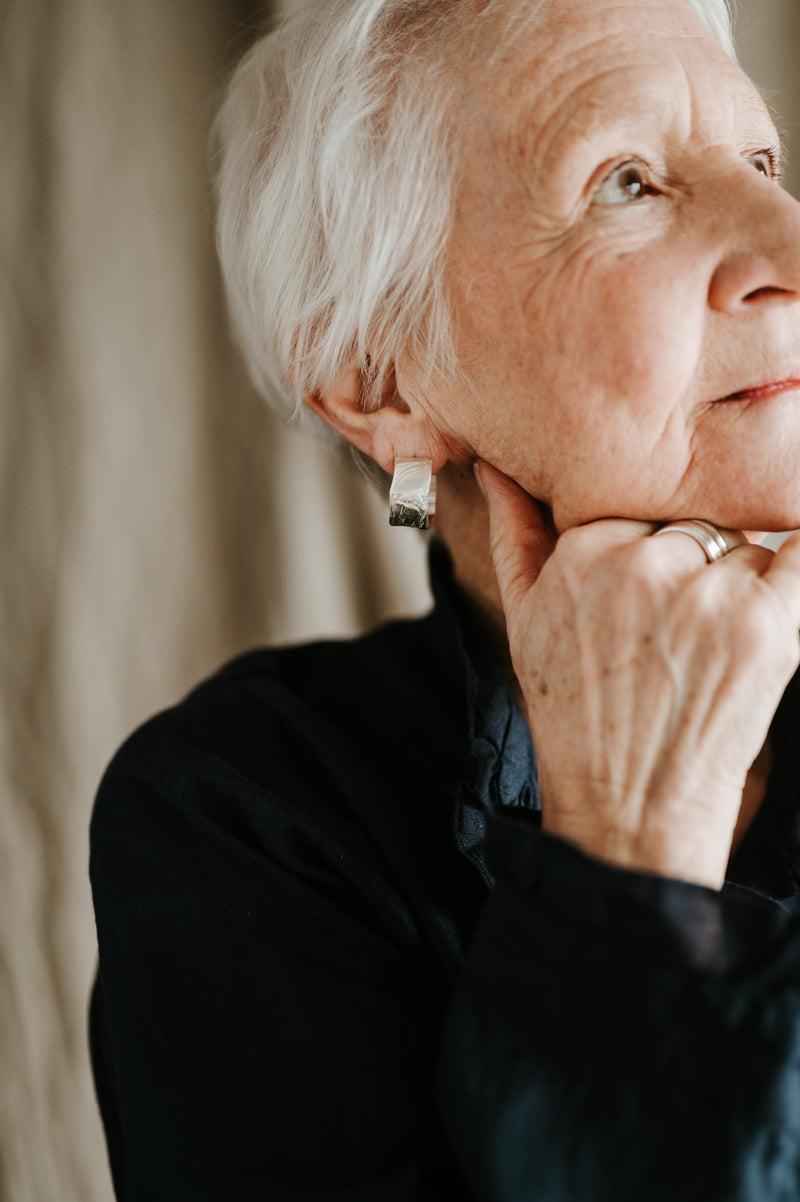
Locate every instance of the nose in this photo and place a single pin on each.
(760, 260)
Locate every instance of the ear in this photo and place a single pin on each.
(398, 428)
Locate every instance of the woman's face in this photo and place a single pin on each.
(625, 273)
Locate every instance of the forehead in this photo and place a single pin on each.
(584, 65)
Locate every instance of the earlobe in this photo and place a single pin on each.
(394, 428)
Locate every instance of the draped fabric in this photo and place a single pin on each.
(154, 520)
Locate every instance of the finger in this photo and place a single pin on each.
(748, 556)
(520, 539)
(605, 533)
(783, 575)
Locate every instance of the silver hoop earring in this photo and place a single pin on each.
(412, 497)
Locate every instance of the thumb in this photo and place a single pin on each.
(520, 539)
(783, 575)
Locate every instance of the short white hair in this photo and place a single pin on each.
(336, 171)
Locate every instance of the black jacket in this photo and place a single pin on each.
(338, 960)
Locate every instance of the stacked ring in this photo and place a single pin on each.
(711, 539)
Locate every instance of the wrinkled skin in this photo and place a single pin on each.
(649, 679)
(621, 263)
(625, 274)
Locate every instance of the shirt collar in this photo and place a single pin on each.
(502, 754)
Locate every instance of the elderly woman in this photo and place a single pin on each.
(358, 941)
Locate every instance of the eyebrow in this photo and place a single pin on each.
(521, 141)
(778, 148)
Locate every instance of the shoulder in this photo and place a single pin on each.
(307, 780)
(332, 734)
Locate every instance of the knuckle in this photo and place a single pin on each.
(576, 541)
(639, 560)
(761, 629)
(752, 626)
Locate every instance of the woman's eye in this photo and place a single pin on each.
(764, 165)
(626, 183)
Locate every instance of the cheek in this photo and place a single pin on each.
(628, 325)
(617, 349)
(582, 362)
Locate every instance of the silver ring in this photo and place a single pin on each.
(707, 536)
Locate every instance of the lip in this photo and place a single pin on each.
(785, 380)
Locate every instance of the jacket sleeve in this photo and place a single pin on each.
(617, 1037)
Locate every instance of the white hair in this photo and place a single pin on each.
(336, 172)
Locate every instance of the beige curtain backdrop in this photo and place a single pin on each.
(154, 520)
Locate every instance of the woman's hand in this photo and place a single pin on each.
(649, 677)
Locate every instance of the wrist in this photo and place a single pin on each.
(693, 854)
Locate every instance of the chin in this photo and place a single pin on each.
(758, 521)
(753, 508)
(750, 509)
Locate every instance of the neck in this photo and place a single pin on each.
(462, 522)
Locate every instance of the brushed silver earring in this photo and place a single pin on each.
(412, 497)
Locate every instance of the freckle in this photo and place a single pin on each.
(543, 689)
